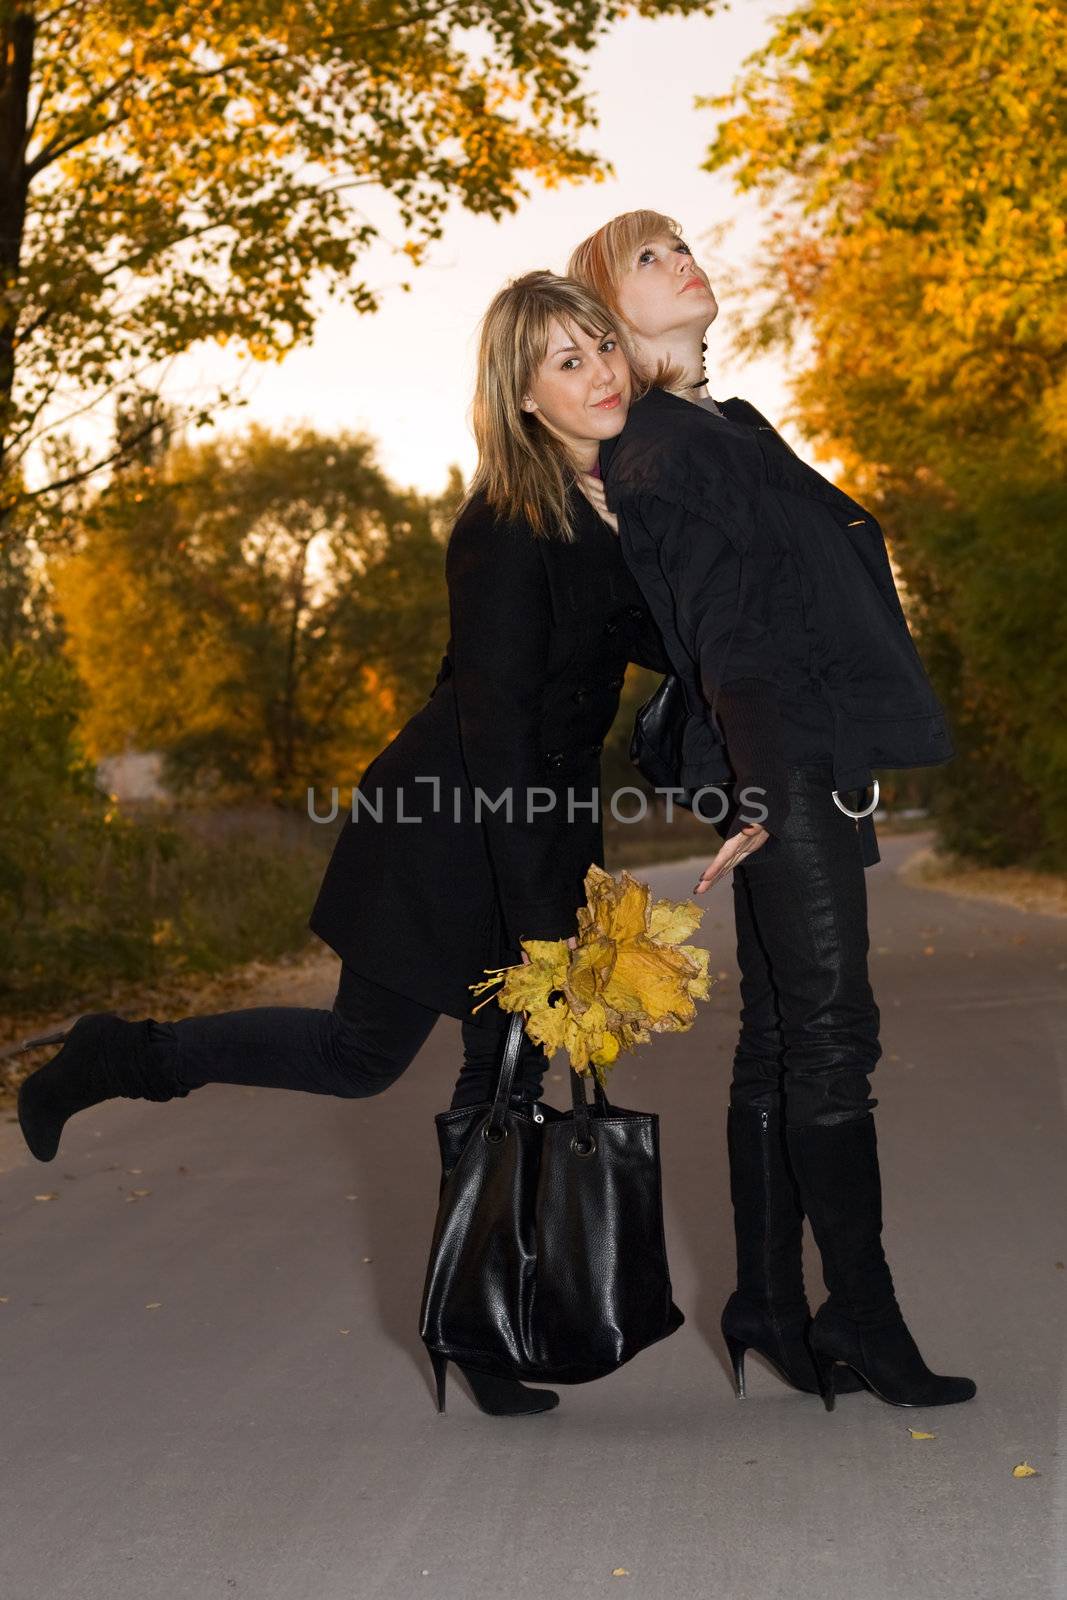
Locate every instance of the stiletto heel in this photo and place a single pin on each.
(737, 1360)
(826, 1368)
(497, 1397)
(440, 1372)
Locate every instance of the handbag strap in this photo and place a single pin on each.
(581, 1107)
(506, 1078)
(506, 1075)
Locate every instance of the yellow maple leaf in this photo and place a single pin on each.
(628, 976)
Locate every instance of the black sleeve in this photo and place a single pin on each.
(647, 650)
(721, 628)
(499, 608)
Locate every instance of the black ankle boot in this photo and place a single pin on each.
(102, 1056)
(768, 1311)
(837, 1173)
(497, 1397)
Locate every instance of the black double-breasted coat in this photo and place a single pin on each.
(430, 883)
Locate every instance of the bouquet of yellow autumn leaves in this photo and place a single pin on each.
(629, 975)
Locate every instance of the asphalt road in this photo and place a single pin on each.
(213, 1385)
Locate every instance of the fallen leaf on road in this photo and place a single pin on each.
(620, 1572)
(153, 1305)
(344, 1330)
(917, 1433)
(53, 1196)
(140, 1193)
(368, 1258)
(1024, 1470)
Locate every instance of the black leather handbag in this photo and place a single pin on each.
(548, 1259)
(656, 741)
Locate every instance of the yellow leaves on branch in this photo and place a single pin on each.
(629, 975)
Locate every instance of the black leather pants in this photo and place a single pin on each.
(809, 1022)
(357, 1049)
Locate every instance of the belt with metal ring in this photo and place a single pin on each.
(841, 807)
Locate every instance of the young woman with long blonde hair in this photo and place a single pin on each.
(433, 877)
(776, 602)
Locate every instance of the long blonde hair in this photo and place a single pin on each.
(523, 470)
(600, 262)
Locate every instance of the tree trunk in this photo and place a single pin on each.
(17, 33)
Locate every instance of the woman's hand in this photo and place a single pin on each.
(593, 489)
(571, 942)
(751, 837)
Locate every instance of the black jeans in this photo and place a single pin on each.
(809, 1022)
(355, 1050)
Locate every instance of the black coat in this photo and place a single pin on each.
(762, 573)
(541, 632)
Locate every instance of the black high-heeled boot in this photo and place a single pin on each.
(838, 1177)
(103, 1056)
(768, 1311)
(497, 1397)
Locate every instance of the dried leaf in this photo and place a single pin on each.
(1025, 1470)
(628, 977)
(153, 1305)
(917, 1433)
(620, 1572)
(52, 1195)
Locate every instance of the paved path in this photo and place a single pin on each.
(268, 1431)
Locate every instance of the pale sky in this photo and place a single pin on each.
(405, 374)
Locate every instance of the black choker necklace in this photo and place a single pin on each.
(698, 385)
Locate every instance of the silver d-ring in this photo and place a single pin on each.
(580, 1152)
(866, 813)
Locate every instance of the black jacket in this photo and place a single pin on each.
(541, 633)
(775, 598)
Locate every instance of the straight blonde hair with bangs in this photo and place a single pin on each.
(523, 470)
(600, 263)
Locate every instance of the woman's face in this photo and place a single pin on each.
(581, 390)
(663, 290)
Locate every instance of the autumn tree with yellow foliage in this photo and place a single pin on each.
(266, 611)
(181, 172)
(913, 160)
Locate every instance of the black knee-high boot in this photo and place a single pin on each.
(768, 1311)
(836, 1167)
(103, 1056)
